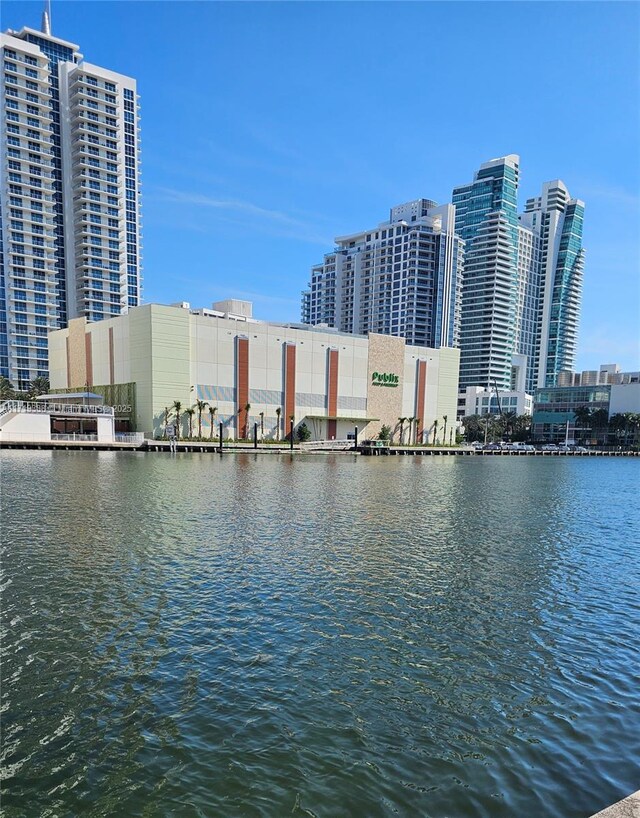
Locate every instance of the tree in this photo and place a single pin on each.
(633, 421)
(302, 433)
(212, 417)
(618, 425)
(444, 431)
(582, 417)
(600, 422)
(401, 421)
(385, 433)
(247, 407)
(473, 428)
(278, 413)
(521, 428)
(6, 390)
(177, 409)
(190, 412)
(201, 405)
(38, 386)
(410, 429)
(435, 430)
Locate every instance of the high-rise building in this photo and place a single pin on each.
(401, 278)
(70, 196)
(555, 219)
(522, 280)
(487, 219)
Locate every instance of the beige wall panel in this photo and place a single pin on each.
(121, 351)
(171, 350)
(139, 320)
(77, 353)
(386, 354)
(99, 333)
(58, 359)
(448, 386)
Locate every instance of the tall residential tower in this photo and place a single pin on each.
(402, 278)
(555, 220)
(70, 197)
(487, 219)
(522, 281)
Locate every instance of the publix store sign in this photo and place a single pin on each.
(384, 379)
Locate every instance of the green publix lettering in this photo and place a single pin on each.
(384, 379)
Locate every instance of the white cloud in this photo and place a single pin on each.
(273, 222)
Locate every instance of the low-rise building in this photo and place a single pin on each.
(80, 416)
(562, 412)
(247, 372)
(475, 400)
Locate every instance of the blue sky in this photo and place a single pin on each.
(270, 128)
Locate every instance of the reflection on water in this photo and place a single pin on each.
(325, 636)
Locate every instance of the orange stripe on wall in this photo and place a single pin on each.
(421, 382)
(332, 397)
(88, 359)
(242, 384)
(332, 392)
(289, 384)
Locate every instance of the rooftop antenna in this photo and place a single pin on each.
(46, 18)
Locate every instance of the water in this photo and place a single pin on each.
(322, 636)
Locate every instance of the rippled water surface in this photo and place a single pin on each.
(324, 636)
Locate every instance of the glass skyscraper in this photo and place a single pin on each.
(522, 281)
(70, 197)
(487, 219)
(556, 221)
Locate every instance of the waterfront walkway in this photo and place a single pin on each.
(285, 447)
(627, 808)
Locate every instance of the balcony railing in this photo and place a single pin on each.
(44, 407)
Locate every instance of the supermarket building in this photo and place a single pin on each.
(252, 371)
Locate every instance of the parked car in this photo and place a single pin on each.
(491, 447)
(549, 447)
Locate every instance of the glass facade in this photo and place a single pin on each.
(487, 219)
(566, 296)
(70, 205)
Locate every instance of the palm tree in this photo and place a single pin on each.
(410, 427)
(278, 413)
(190, 412)
(401, 421)
(435, 430)
(212, 415)
(634, 424)
(444, 431)
(600, 421)
(201, 405)
(177, 409)
(6, 390)
(582, 415)
(39, 386)
(618, 424)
